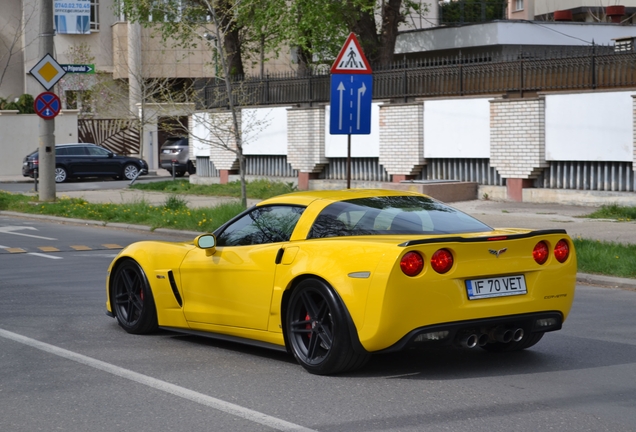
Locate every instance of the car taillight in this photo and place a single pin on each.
(412, 263)
(562, 251)
(442, 261)
(540, 252)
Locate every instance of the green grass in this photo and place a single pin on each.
(606, 258)
(614, 211)
(172, 214)
(260, 189)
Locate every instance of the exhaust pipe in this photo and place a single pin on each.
(483, 339)
(503, 335)
(469, 341)
(517, 335)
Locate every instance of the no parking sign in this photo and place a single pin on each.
(47, 105)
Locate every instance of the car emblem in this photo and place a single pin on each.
(497, 252)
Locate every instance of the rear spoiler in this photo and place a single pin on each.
(482, 239)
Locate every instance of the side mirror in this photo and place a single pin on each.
(206, 241)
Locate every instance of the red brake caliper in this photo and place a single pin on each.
(308, 318)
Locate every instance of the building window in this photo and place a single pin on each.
(94, 14)
(518, 5)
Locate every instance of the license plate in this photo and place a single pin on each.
(496, 287)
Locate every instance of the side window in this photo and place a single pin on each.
(63, 151)
(262, 225)
(96, 151)
(77, 151)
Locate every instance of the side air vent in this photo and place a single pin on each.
(175, 291)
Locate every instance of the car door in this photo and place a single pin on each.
(101, 162)
(233, 286)
(73, 158)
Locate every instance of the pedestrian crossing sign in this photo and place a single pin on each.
(351, 59)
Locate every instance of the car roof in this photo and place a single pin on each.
(307, 197)
(73, 144)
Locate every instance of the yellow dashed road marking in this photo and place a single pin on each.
(112, 246)
(48, 249)
(15, 250)
(81, 247)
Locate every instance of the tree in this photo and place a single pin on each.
(467, 11)
(318, 28)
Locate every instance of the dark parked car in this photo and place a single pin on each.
(87, 160)
(175, 155)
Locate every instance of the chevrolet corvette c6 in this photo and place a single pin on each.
(335, 276)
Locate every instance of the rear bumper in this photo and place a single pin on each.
(177, 166)
(530, 323)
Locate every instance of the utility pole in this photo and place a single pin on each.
(46, 149)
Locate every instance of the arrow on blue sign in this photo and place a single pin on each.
(351, 97)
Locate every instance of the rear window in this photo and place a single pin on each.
(392, 215)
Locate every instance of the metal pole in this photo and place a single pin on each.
(46, 147)
(349, 161)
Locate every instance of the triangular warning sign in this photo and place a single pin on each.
(351, 59)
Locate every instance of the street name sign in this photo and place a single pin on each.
(47, 105)
(351, 91)
(47, 72)
(79, 68)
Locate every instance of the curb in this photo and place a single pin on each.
(583, 278)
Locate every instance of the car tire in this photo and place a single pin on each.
(60, 174)
(317, 330)
(131, 299)
(528, 340)
(131, 171)
(179, 173)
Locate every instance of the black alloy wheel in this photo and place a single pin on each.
(317, 330)
(132, 300)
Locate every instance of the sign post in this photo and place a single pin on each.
(351, 95)
(48, 72)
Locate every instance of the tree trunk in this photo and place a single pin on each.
(377, 48)
(231, 39)
(391, 19)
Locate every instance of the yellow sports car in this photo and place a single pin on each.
(334, 276)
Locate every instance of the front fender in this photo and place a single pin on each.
(158, 260)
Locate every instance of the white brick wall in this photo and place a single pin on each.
(401, 138)
(306, 139)
(517, 137)
(221, 136)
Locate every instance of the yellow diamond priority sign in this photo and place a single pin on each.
(47, 71)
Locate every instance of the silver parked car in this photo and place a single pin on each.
(175, 155)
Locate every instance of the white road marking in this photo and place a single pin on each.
(182, 392)
(44, 255)
(11, 229)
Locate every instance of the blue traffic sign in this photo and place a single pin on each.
(47, 105)
(351, 97)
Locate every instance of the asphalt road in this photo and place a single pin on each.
(65, 365)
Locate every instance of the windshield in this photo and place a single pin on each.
(392, 215)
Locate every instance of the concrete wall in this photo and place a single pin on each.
(19, 136)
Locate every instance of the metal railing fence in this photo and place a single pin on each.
(574, 68)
